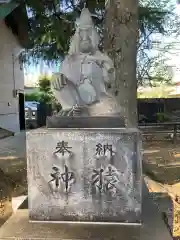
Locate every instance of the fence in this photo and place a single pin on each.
(149, 107)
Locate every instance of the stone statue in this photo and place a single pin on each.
(81, 85)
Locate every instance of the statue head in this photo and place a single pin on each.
(85, 39)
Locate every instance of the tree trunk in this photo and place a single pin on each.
(120, 43)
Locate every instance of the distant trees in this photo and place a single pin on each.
(51, 24)
(34, 96)
(44, 93)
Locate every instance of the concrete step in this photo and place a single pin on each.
(17, 202)
(5, 133)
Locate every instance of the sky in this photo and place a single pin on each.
(175, 54)
(33, 71)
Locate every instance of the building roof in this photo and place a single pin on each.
(15, 18)
(6, 7)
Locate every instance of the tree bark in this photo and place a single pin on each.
(120, 43)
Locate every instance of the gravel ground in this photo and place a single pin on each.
(13, 181)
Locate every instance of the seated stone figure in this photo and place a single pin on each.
(81, 85)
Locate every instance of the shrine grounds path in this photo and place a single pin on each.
(161, 168)
(161, 165)
(13, 181)
(13, 159)
(161, 161)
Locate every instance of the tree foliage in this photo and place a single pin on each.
(44, 84)
(158, 22)
(51, 24)
(32, 96)
(45, 92)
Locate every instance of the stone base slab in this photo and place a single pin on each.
(18, 227)
(84, 122)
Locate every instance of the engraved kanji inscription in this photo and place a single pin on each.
(103, 149)
(112, 179)
(56, 176)
(106, 180)
(97, 179)
(66, 178)
(62, 148)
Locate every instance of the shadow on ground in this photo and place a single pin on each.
(165, 206)
(165, 175)
(161, 161)
(13, 172)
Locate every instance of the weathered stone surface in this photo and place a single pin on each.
(19, 227)
(87, 184)
(153, 227)
(85, 122)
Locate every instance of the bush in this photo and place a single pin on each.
(32, 96)
(162, 117)
(44, 94)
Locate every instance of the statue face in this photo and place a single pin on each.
(85, 44)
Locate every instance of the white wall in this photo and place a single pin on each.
(9, 109)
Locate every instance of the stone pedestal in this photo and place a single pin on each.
(85, 122)
(84, 175)
(153, 227)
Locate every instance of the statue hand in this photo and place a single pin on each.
(59, 82)
(111, 70)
